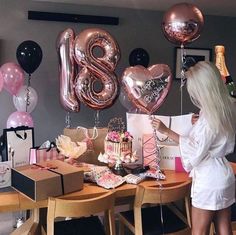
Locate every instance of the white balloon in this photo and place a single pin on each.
(20, 99)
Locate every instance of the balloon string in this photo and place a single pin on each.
(161, 208)
(182, 76)
(68, 120)
(27, 94)
(158, 155)
(96, 118)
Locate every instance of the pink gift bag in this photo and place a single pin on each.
(40, 155)
(149, 151)
(179, 165)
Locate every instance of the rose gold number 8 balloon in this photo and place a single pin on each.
(96, 68)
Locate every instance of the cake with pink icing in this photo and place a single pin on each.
(117, 144)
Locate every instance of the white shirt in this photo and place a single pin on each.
(203, 153)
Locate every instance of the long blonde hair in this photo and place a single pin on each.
(209, 93)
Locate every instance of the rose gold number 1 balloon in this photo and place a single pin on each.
(96, 68)
(65, 49)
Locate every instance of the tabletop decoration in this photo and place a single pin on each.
(104, 177)
(118, 147)
(69, 148)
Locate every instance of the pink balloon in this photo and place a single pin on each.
(1, 81)
(147, 88)
(13, 77)
(19, 119)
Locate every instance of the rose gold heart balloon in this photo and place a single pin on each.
(147, 88)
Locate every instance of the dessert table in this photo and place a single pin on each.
(15, 201)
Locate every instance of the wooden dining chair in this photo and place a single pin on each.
(84, 216)
(161, 216)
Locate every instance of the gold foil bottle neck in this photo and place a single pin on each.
(220, 60)
(219, 49)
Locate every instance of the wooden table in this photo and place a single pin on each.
(15, 201)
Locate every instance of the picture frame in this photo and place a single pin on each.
(192, 55)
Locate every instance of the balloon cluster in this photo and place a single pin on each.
(82, 66)
(29, 57)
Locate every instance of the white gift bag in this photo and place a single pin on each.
(18, 143)
(140, 124)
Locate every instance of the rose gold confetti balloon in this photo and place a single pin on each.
(182, 23)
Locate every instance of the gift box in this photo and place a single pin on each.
(169, 154)
(51, 178)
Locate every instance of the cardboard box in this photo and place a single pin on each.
(50, 178)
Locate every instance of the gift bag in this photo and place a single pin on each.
(140, 124)
(94, 137)
(38, 154)
(18, 142)
(169, 154)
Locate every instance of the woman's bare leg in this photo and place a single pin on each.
(201, 221)
(222, 222)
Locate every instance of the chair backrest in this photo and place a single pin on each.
(78, 208)
(161, 194)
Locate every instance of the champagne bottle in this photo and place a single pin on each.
(221, 65)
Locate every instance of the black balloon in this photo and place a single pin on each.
(139, 56)
(29, 56)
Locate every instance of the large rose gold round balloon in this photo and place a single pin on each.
(98, 54)
(67, 71)
(182, 23)
(147, 88)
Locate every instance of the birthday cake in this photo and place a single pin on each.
(117, 145)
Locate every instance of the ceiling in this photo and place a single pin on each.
(207, 7)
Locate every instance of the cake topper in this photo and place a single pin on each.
(116, 124)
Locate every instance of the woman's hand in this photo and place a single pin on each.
(160, 126)
(163, 129)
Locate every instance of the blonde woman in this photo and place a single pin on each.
(203, 151)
